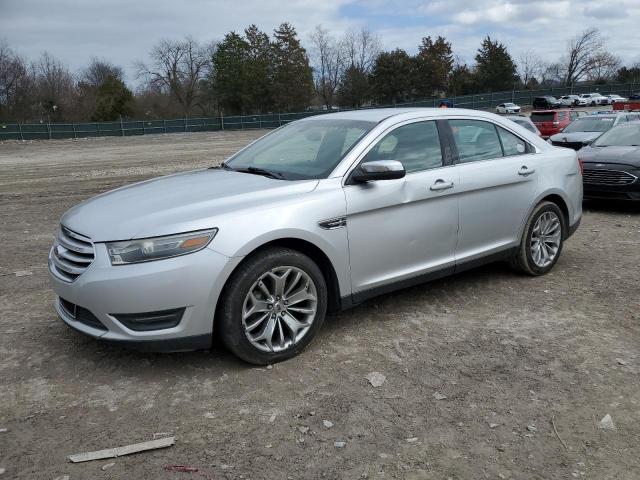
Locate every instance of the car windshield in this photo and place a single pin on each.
(590, 124)
(509, 104)
(624, 136)
(308, 149)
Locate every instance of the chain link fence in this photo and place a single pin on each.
(38, 131)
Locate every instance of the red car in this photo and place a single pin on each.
(550, 122)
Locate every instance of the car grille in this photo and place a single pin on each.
(574, 145)
(71, 254)
(607, 177)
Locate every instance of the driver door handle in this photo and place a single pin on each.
(441, 185)
(525, 171)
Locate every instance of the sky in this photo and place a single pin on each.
(124, 31)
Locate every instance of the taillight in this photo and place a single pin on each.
(581, 164)
(555, 124)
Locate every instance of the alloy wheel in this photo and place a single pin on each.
(279, 309)
(545, 239)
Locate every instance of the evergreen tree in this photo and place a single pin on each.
(495, 69)
(292, 75)
(259, 70)
(462, 80)
(229, 76)
(354, 88)
(434, 63)
(114, 100)
(392, 76)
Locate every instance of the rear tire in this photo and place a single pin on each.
(272, 306)
(542, 240)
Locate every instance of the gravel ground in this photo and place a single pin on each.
(480, 367)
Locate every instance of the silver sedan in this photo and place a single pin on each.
(315, 217)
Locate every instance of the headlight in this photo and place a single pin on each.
(157, 248)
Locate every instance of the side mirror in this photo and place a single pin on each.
(378, 170)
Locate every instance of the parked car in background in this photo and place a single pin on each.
(508, 108)
(634, 96)
(573, 101)
(614, 98)
(546, 102)
(585, 130)
(525, 122)
(594, 99)
(612, 164)
(550, 122)
(316, 216)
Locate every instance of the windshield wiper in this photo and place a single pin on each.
(261, 171)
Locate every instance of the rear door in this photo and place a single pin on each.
(498, 182)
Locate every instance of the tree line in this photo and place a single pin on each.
(252, 72)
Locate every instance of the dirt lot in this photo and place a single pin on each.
(513, 355)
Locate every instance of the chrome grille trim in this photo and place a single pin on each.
(71, 255)
(607, 177)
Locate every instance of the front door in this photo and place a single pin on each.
(402, 229)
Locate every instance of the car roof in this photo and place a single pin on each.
(380, 114)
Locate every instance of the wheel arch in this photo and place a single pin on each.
(553, 196)
(304, 246)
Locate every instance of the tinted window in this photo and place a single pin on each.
(476, 140)
(416, 146)
(542, 117)
(511, 144)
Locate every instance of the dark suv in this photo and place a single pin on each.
(546, 102)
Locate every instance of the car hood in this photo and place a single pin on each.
(619, 155)
(575, 137)
(175, 203)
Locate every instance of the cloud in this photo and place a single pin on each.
(124, 31)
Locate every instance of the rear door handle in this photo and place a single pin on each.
(525, 171)
(441, 185)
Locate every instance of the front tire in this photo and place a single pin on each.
(542, 240)
(272, 306)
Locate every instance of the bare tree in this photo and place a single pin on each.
(580, 58)
(328, 60)
(605, 66)
(54, 87)
(361, 48)
(178, 67)
(530, 67)
(15, 85)
(100, 70)
(552, 74)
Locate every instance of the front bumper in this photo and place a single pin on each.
(192, 282)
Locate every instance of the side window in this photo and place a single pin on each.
(416, 146)
(573, 115)
(622, 119)
(562, 116)
(475, 140)
(511, 144)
